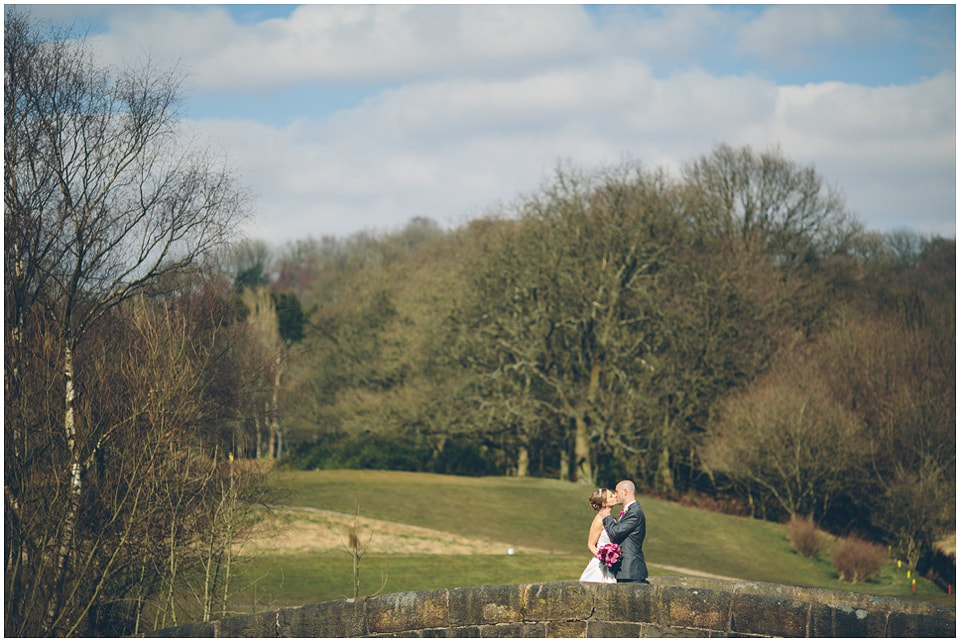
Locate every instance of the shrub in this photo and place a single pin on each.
(388, 451)
(462, 457)
(804, 536)
(857, 560)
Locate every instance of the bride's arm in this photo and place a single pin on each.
(596, 527)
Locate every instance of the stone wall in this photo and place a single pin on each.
(667, 607)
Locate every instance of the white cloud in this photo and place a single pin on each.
(166, 34)
(372, 43)
(851, 114)
(892, 149)
(792, 34)
(350, 43)
(450, 149)
(483, 101)
(669, 33)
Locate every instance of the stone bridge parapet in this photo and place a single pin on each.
(667, 607)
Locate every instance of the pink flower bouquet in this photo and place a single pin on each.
(609, 554)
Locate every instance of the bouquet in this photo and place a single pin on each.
(609, 554)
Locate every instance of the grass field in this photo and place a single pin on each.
(547, 516)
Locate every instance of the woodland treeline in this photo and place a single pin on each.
(730, 332)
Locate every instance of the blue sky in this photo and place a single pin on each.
(341, 117)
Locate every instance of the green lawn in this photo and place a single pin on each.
(546, 514)
(292, 580)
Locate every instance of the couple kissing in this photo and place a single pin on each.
(616, 544)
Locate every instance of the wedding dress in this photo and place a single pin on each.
(596, 570)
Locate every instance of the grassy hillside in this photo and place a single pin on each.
(533, 513)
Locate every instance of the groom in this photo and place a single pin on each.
(628, 532)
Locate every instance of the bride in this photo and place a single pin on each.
(596, 571)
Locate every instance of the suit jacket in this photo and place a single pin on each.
(629, 533)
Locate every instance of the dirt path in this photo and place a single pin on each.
(690, 571)
(298, 529)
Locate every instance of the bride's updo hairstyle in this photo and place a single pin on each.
(597, 498)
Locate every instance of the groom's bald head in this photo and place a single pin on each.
(626, 491)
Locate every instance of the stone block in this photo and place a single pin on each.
(485, 605)
(533, 630)
(842, 621)
(433, 633)
(922, 625)
(651, 631)
(655, 631)
(566, 629)
(769, 615)
(463, 631)
(854, 600)
(627, 603)
(344, 618)
(908, 606)
(255, 625)
(424, 633)
(407, 611)
(697, 608)
(557, 601)
(601, 629)
(838, 598)
(194, 630)
(510, 630)
(693, 582)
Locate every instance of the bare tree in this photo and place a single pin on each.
(765, 200)
(787, 438)
(274, 323)
(356, 547)
(102, 202)
(265, 339)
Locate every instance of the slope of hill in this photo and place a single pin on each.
(434, 531)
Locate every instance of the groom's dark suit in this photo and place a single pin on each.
(629, 532)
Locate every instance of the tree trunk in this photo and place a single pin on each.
(228, 550)
(276, 433)
(664, 474)
(583, 472)
(66, 539)
(523, 461)
(663, 479)
(271, 431)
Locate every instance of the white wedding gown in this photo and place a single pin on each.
(596, 571)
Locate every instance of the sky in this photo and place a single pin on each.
(342, 118)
